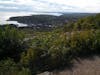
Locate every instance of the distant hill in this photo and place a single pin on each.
(47, 20)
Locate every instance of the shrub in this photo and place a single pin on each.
(11, 43)
(9, 67)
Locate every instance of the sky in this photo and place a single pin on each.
(10, 8)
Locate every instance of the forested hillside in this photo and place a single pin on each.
(50, 19)
(25, 53)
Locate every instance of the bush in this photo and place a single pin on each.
(9, 67)
(11, 43)
(56, 50)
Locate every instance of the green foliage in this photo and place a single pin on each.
(9, 67)
(11, 43)
(91, 22)
(56, 50)
(48, 50)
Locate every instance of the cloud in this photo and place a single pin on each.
(51, 5)
(48, 6)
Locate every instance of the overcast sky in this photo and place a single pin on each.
(24, 7)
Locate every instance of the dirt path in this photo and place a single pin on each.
(90, 66)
